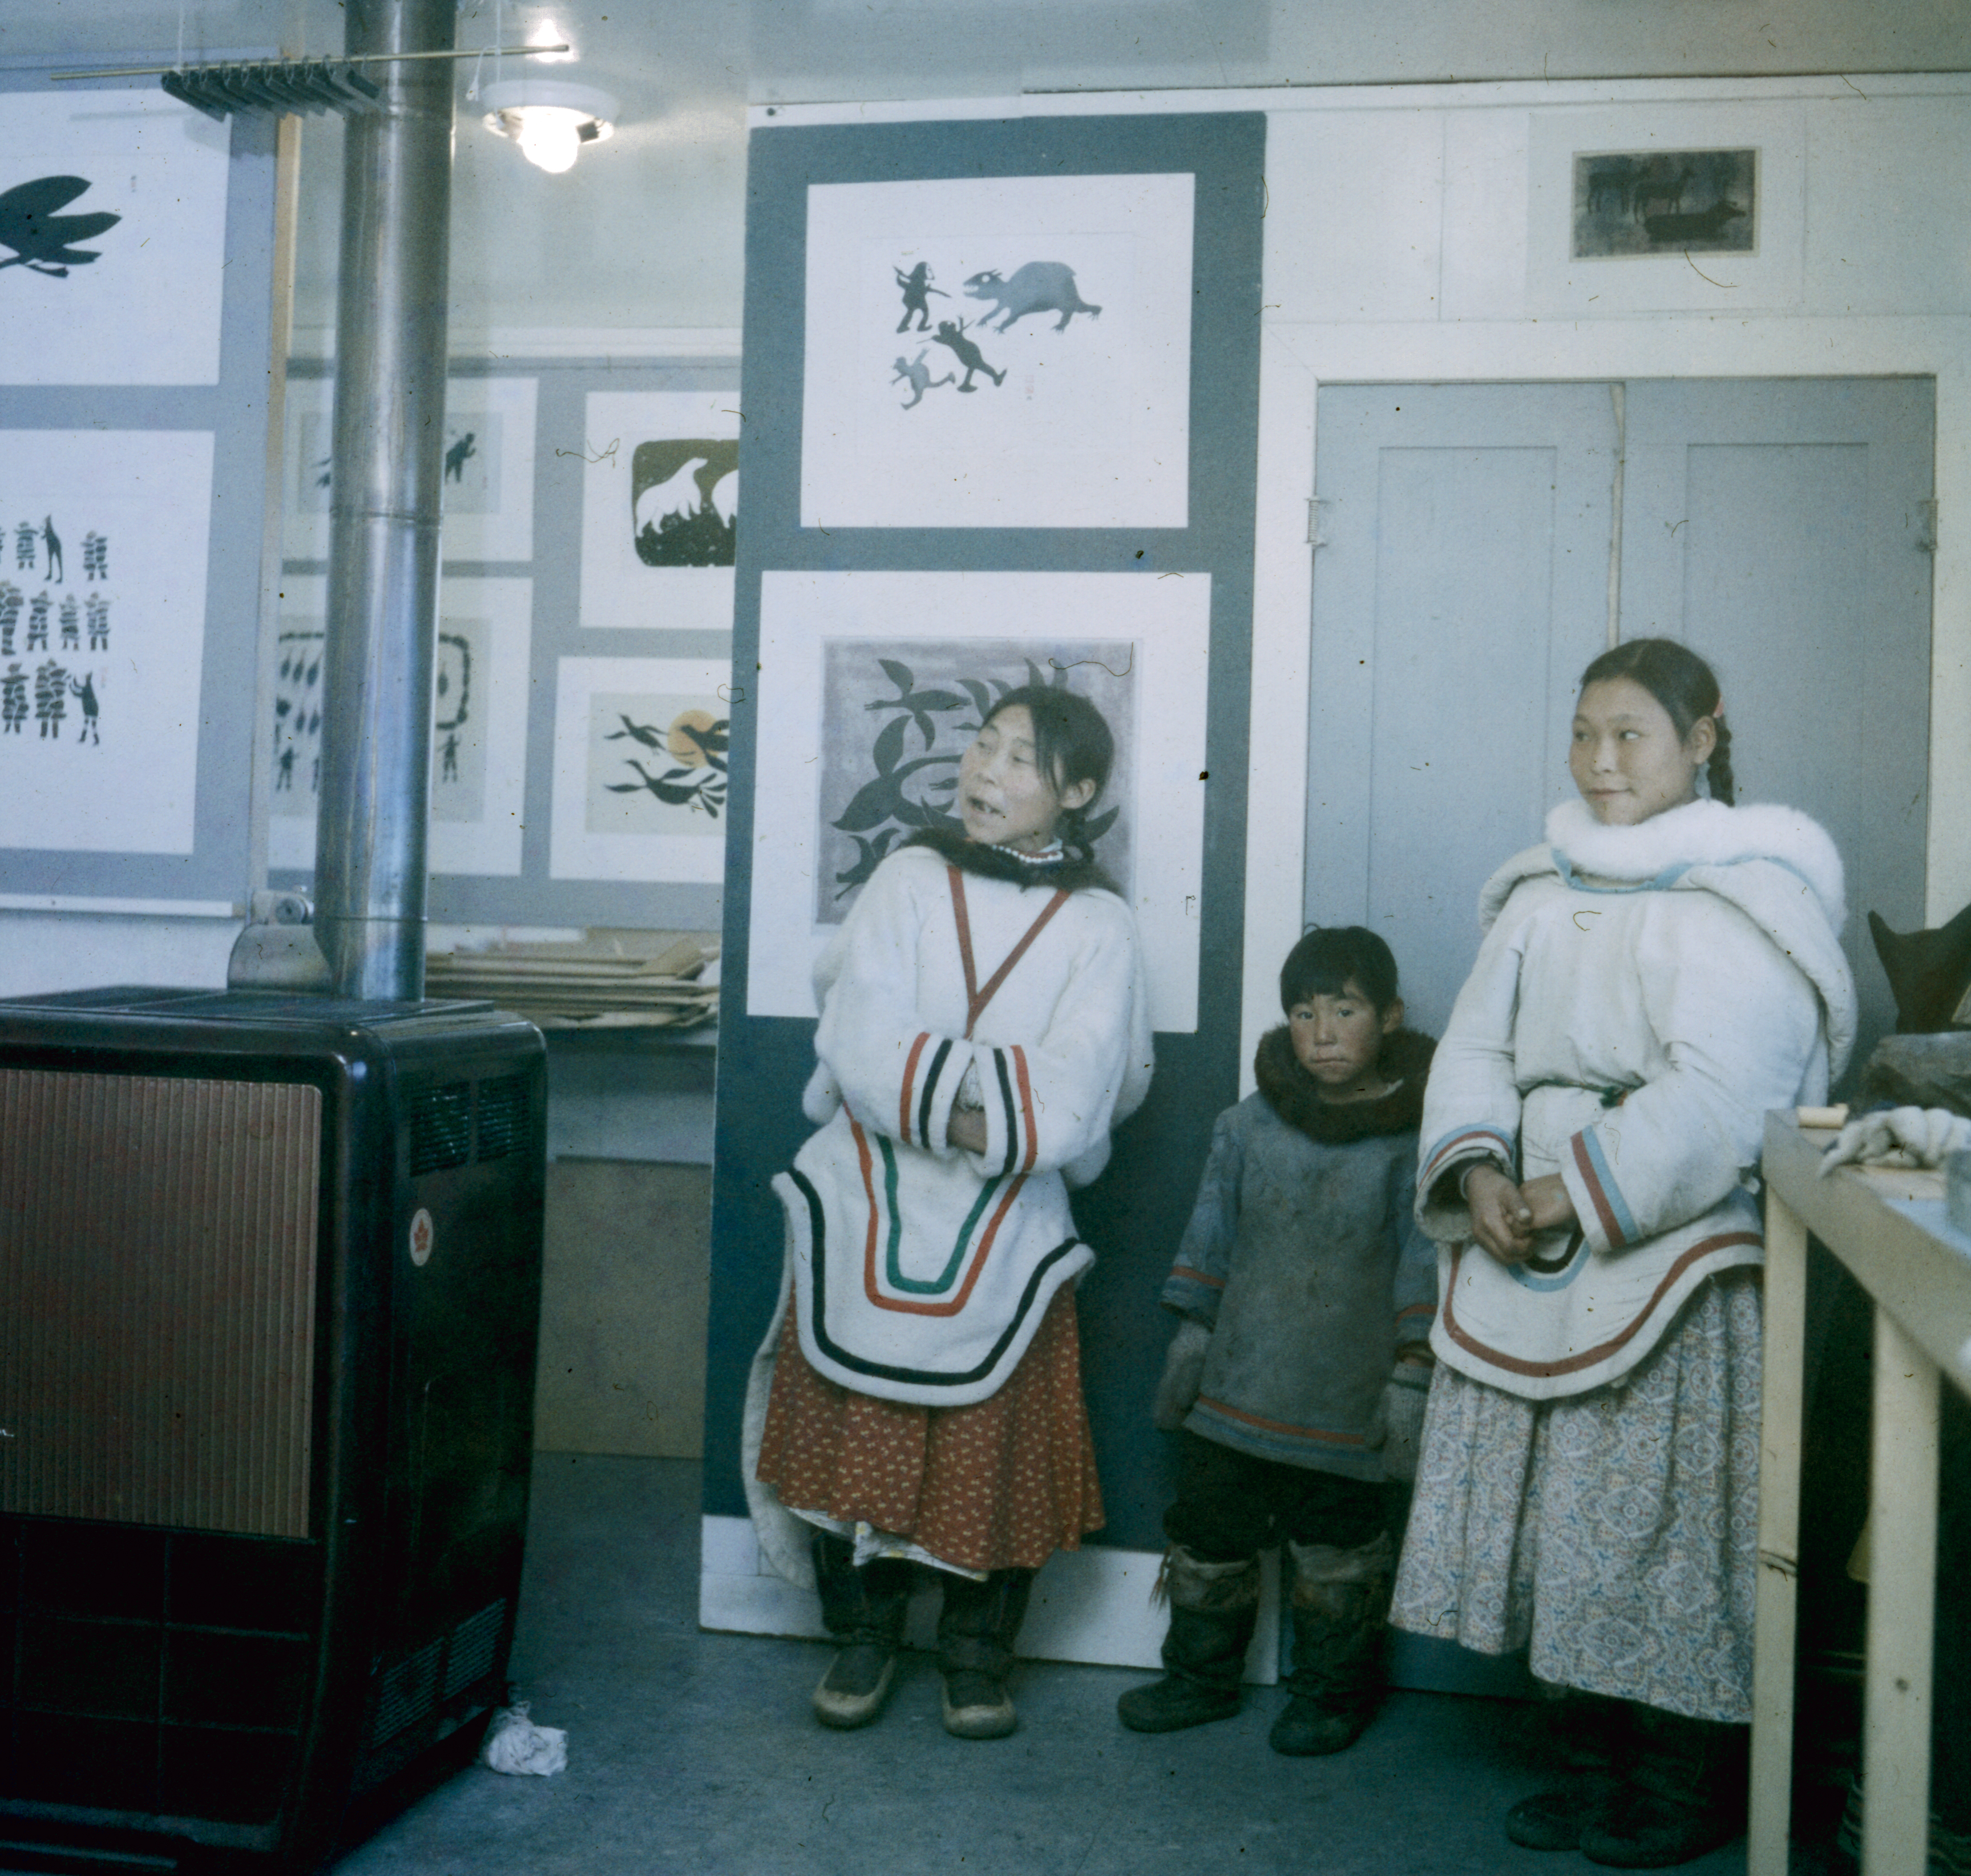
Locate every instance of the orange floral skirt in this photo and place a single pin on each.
(1002, 1484)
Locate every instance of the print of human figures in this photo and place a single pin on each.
(47, 608)
(468, 481)
(458, 752)
(1034, 288)
(298, 719)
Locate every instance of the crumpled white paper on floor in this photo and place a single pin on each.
(515, 1744)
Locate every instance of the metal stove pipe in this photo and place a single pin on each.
(383, 542)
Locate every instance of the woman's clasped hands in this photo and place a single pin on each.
(1507, 1218)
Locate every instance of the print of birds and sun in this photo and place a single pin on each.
(657, 764)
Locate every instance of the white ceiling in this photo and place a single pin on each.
(647, 231)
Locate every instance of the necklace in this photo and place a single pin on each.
(1052, 851)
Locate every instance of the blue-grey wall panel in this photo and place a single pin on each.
(233, 411)
(1134, 1215)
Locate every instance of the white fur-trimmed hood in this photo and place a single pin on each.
(1701, 833)
(1706, 846)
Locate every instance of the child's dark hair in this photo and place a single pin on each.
(1683, 684)
(1326, 957)
(1072, 742)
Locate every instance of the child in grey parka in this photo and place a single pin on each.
(1296, 1383)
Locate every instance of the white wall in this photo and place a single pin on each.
(1420, 233)
(1418, 236)
(1411, 234)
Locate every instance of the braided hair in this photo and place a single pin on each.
(1072, 742)
(1686, 688)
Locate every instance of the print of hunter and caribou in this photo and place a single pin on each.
(1034, 288)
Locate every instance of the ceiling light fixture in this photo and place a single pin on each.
(551, 122)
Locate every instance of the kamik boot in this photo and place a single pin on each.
(976, 1630)
(1340, 1610)
(863, 1607)
(1587, 1737)
(1213, 1609)
(1684, 1794)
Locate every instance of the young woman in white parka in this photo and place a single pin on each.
(984, 1024)
(1661, 972)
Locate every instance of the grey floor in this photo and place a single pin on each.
(693, 1751)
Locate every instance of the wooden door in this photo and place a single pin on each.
(1780, 526)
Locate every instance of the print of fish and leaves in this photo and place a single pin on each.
(906, 792)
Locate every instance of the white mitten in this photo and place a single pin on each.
(1900, 1136)
(1404, 1398)
(1184, 1373)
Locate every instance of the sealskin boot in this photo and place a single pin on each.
(1214, 1608)
(976, 1630)
(1686, 1793)
(863, 1607)
(1340, 1611)
(1588, 1734)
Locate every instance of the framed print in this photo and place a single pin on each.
(640, 769)
(112, 238)
(871, 685)
(998, 353)
(1665, 201)
(659, 509)
(1648, 208)
(479, 724)
(487, 484)
(102, 605)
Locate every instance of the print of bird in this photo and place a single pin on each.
(42, 239)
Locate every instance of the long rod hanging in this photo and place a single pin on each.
(365, 58)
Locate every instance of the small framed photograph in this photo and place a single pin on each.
(1665, 202)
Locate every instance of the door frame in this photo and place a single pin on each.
(1296, 358)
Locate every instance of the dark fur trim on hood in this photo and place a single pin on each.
(1295, 1096)
(971, 856)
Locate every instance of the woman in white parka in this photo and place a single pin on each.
(1665, 969)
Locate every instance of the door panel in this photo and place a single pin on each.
(1776, 525)
(1781, 533)
(1462, 584)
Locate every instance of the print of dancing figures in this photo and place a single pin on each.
(44, 609)
(1034, 288)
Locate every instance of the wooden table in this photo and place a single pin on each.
(1889, 1229)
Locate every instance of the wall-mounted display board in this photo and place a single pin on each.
(1000, 385)
(581, 698)
(136, 281)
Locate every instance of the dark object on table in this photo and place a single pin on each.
(1921, 1071)
(1928, 972)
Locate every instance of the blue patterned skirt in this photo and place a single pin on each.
(1614, 1534)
